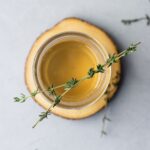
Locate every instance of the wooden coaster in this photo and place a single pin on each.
(74, 25)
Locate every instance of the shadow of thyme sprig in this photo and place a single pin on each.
(130, 21)
(100, 68)
(113, 85)
(104, 120)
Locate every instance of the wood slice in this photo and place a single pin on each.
(81, 26)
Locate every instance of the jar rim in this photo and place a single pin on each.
(101, 49)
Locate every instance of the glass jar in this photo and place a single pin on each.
(101, 56)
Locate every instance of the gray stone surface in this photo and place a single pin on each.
(21, 21)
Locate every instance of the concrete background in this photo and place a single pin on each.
(21, 21)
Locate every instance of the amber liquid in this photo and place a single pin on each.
(64, 61)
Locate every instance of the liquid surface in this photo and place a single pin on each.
(64, 61)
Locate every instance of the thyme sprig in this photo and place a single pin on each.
(130, 21)
(23, 97)
(100, 68)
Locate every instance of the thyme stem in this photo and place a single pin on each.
(45, 114)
